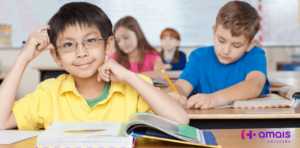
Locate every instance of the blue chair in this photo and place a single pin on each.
(291, 67)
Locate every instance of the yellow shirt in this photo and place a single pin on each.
(58, 100)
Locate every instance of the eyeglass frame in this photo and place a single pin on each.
(80, 43)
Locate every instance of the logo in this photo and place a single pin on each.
(278, 135)
(248, 134)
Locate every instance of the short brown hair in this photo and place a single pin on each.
(173, 33)
(240, 17)
(143, 45)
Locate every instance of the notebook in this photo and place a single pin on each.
(286, 98)
(265, 101)
(83, 134)
(118, 134)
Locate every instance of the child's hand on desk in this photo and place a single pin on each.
(37, 42)
(202, 101)
(112, 71)
(181, 99)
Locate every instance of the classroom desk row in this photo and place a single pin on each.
(227, 138)
(228, 118)
(288, 77)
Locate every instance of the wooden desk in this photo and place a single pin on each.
(2, 76)
(227, 138)
(280, 64)
(228, 118)
(50, 72)
(53, 72)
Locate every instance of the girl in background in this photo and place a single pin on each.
(172, 57)
(133, 51)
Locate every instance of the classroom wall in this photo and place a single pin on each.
(31, 77)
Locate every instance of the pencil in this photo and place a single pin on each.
(85, 131)
(169, 80)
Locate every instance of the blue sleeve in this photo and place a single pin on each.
(191, 72)
(257, 62)
(181, 64)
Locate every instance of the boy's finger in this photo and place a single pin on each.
(50, 46)
(40, 43)
(107, 72)
(199, 104)
(204, 106)
(41, 28)
(183, 102)
(190, 103)
(103, 74)
(43, 34)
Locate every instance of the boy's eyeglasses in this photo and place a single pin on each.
(71, 46)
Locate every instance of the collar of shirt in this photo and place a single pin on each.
(69, 85)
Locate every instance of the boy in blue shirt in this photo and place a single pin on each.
(233, 69)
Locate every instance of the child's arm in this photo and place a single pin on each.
(156, 73)
(162, 104)
(37, 42)
(250, 88)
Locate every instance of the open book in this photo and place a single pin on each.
(275, 85)
(286, 98)
(118, 134)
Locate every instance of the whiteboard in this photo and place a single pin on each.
(280, 23)
(193, 19)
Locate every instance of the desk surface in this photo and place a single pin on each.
(229, 113)
(227, 138)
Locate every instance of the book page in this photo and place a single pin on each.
(267, 100)
(60, 129)
(157, 120)
(288, 92)
(12, 136)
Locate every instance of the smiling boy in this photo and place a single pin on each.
(80, 38)
(233, 69)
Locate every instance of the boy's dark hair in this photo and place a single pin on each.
(82, 13)
(240, 17)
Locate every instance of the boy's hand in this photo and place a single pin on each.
(202, 101)
(37, 42)
(112, 71)
(181, 99)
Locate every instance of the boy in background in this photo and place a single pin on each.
(233, 69)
